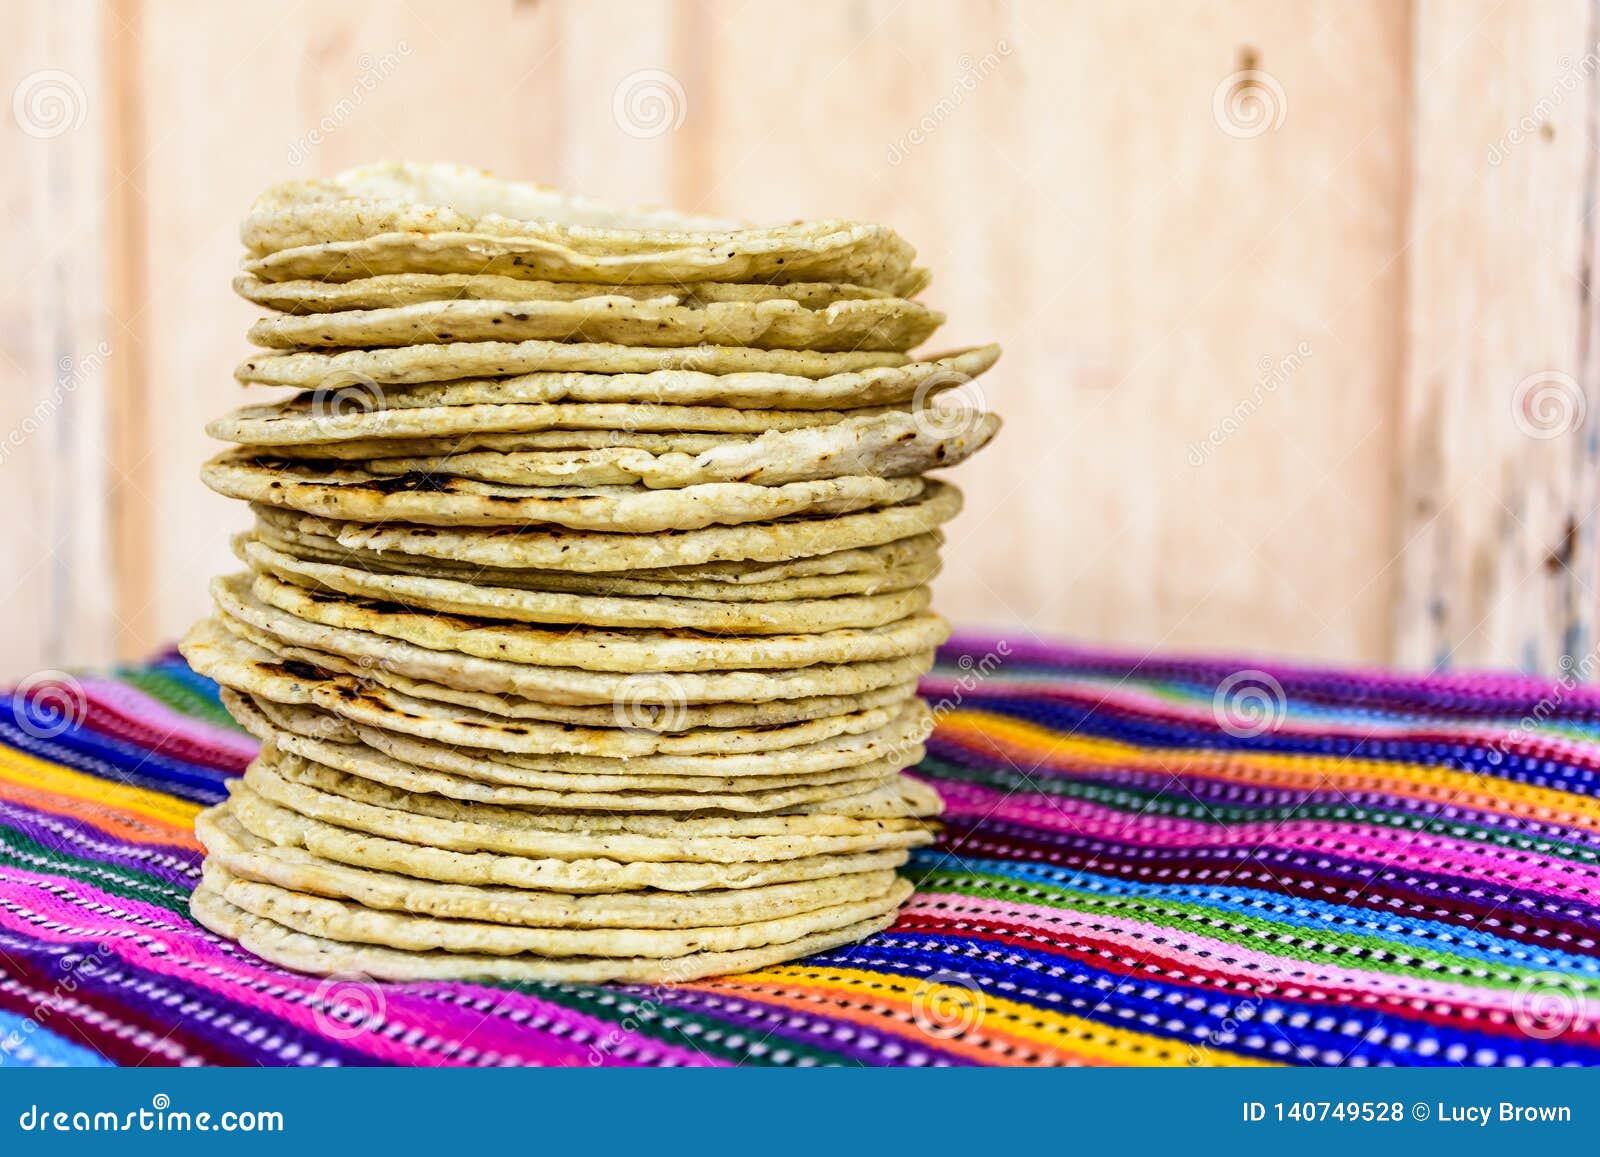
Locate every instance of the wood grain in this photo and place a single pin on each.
(58, 340)
(133, 405)
(1498, 447)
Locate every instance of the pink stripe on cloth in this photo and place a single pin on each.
(151, 714)
(1145, 666)
(1211, 766)
(203, 959)
(1438, 853)
(1251, 968)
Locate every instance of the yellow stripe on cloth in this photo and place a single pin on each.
(1012, 737)
(970, 1022)
(27, 771)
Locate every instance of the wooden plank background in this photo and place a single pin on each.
(1265, 290)
(1498, 445)
(59, 344)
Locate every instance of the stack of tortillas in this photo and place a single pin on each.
(587, 593)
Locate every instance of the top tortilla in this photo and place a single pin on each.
(432, 218)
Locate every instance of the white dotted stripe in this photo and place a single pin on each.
(1239, 870)
(1291, 936)
(52, 1003)
(1422, 1045)
(646, 1052)
(1414, 996)
(1403, 839)
(97, 871)
(1362, 805)
(905, 1021)
(82, 840)
(735, 1037)
(391, 1029)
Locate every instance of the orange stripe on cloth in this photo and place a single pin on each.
(128, 812)
(1032, 746)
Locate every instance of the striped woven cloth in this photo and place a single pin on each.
(1146, 862)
